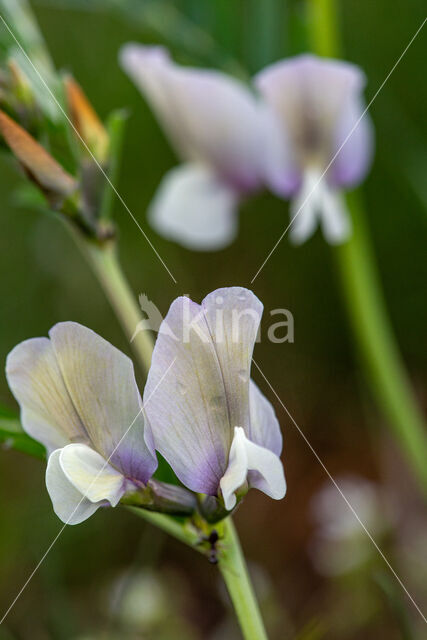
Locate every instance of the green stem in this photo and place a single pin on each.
(235, 574)
(363, 295)
(231, 563)
(322, 22)
(104, 261)
(174, 527)
(377, 343)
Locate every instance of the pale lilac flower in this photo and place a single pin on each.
(79, 398)
(209, 419)
(340, 544)
(227, 139)
(318, 102)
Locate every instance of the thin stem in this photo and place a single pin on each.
(174, 527)
(104, 261)
(231, 563)
(363, 295)
(322, 20)
(377, 344)
(235, 573)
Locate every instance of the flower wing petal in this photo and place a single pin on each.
(195, 208)
(68, 503)
(261, 466)
(91, 474)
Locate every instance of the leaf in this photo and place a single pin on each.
(12, 436)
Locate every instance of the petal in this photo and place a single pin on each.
(305, 207)
(317, 100)
(101, 383)
(47, 412)
(317, 202)
(245, 457)
(193, 409)
(335, 218)
(353, 145)
(195, 208)
(209, 116)
(68, 503)
(264, 426)
(91, 474)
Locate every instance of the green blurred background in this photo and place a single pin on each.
(104, 565)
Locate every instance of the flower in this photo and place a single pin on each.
(209, 419)
(340, 544)
(320, 106)
(226, 137)
(79, 398)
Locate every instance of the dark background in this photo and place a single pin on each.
(45, 280)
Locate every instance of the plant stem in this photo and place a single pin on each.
(104, 261)
(172, 526)
(377, 344)
(231, 564)
(322, 21)
(235, 573)
(363, 295)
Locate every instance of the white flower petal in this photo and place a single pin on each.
(195, 208)
(246, 457)
(91, 474)
(305, 208)
(316, 202)
(335, 218)
(101, 383)
(210, 117)
(68, 503)
(47, 412)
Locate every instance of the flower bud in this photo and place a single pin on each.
(86, 122)
(39, 165)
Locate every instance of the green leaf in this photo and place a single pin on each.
(12, 436)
